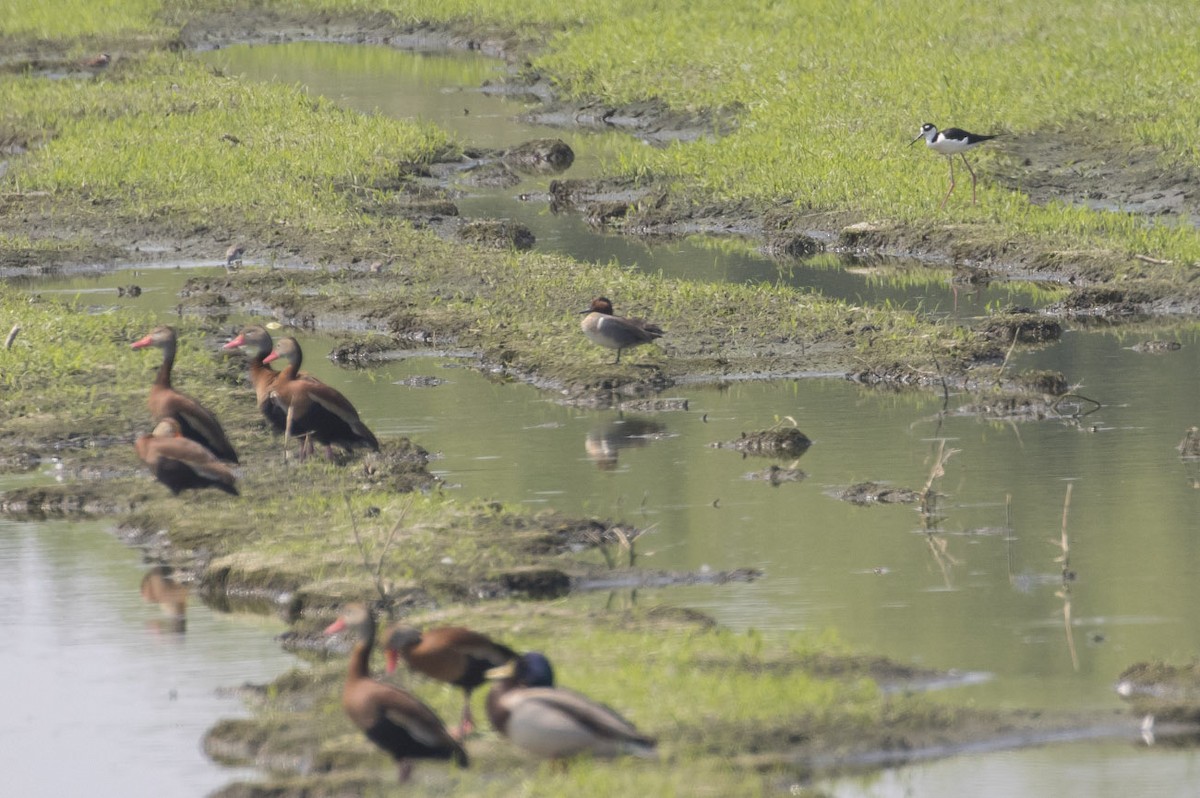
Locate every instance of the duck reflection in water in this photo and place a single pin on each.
(604, 443)
(158, 587)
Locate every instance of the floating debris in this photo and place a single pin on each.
(877, 493)
(1156, 347)
(785, 441)
(1189, 447)
(1169, 692)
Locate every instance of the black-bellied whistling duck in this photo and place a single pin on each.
(393, 719)
(256, 342)
(555, 723)
(449, 654)
(316, 407)
(616, 332)
(195, 421)
(182, 464)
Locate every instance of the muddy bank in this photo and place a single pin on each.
(298, 736)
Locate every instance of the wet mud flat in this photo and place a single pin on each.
(1088, 167)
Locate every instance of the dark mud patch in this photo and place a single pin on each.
(865, 493)
(1022, 326)
(62, 501)
(1156, 347)
(1168, 692)
(624, 580)
(1099, 172)
(783, 442)
(497, 233)
(1066, 408)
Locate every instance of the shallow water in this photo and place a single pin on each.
(446, 89)
(981, 591)
(106, 696)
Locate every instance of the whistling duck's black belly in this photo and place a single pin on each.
(395, 740)
(180, 477)
(275, 415)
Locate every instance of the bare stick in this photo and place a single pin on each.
(12, 336)
(287, 433)
(937, 471)
(376, 573)
(1064, 543)
(1065, 592)
(1008, 354)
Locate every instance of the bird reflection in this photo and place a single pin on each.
(604, 442)
(158, 587)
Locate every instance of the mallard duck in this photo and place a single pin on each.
(393, 719)
(553, 722)
(449, 654)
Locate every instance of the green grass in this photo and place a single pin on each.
(79, 19)
(174, 141)
(830, 93)
(703, 692)
(70, 366)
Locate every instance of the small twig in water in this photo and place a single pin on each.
(1064, 593)
(1095, 405)
(1008, 354)
(937, 471)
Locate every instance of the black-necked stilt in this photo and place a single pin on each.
(950, 142)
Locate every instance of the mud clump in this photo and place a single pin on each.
(1156, 347)
(878, 493)
(60, 502)
(1047, 383)
(534, 582)
(540, 155)
(784, 239)
(1168, 692)
(1105, 302)
(1021, 325)
(400, 466)
(497, 234)
(786, 442)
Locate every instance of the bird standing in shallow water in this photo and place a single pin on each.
(950, 142)
(616, 332)
(555, 723)
(393, 719)
(449, 654)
